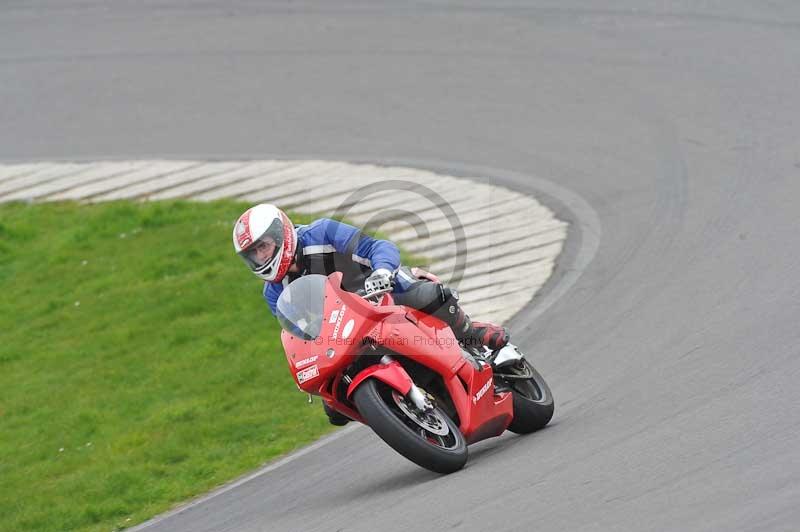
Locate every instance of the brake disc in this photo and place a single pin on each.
(432, 421)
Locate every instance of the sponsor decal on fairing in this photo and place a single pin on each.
(339, 322)
(307, 374)
(306, 361)
(482, 392)
(348, 329)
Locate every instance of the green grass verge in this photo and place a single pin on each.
(139, 364)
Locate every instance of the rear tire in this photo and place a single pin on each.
(438, 453)
(533, 400)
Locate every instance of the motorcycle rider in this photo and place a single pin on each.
(278, 252)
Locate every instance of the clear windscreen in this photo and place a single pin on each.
(300, 306)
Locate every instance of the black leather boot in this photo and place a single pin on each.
(469, 333)
(335, 417)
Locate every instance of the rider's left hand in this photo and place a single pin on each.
(381, 279)
(419, 273)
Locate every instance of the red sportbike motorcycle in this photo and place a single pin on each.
(403, 373)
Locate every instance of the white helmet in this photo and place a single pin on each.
(259, 229)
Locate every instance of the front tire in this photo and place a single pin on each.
(440, 448)
(533, 400)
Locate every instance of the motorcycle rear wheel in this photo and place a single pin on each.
(442, 451)
(533, 400)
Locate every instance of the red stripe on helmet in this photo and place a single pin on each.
(243, 236)
(288, 247)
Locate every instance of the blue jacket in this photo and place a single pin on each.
(325, 246)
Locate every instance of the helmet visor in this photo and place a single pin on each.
(263, 254)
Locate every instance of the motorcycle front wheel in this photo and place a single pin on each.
(429, 439)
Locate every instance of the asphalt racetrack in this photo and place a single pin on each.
(672, 349)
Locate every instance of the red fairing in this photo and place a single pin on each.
(392, 374)
(432, 343)
(488, 414)
(318, 366)
(347, 318)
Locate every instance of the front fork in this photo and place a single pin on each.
(415, 394)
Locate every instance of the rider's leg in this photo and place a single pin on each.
(442, 302)
(335, 417)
